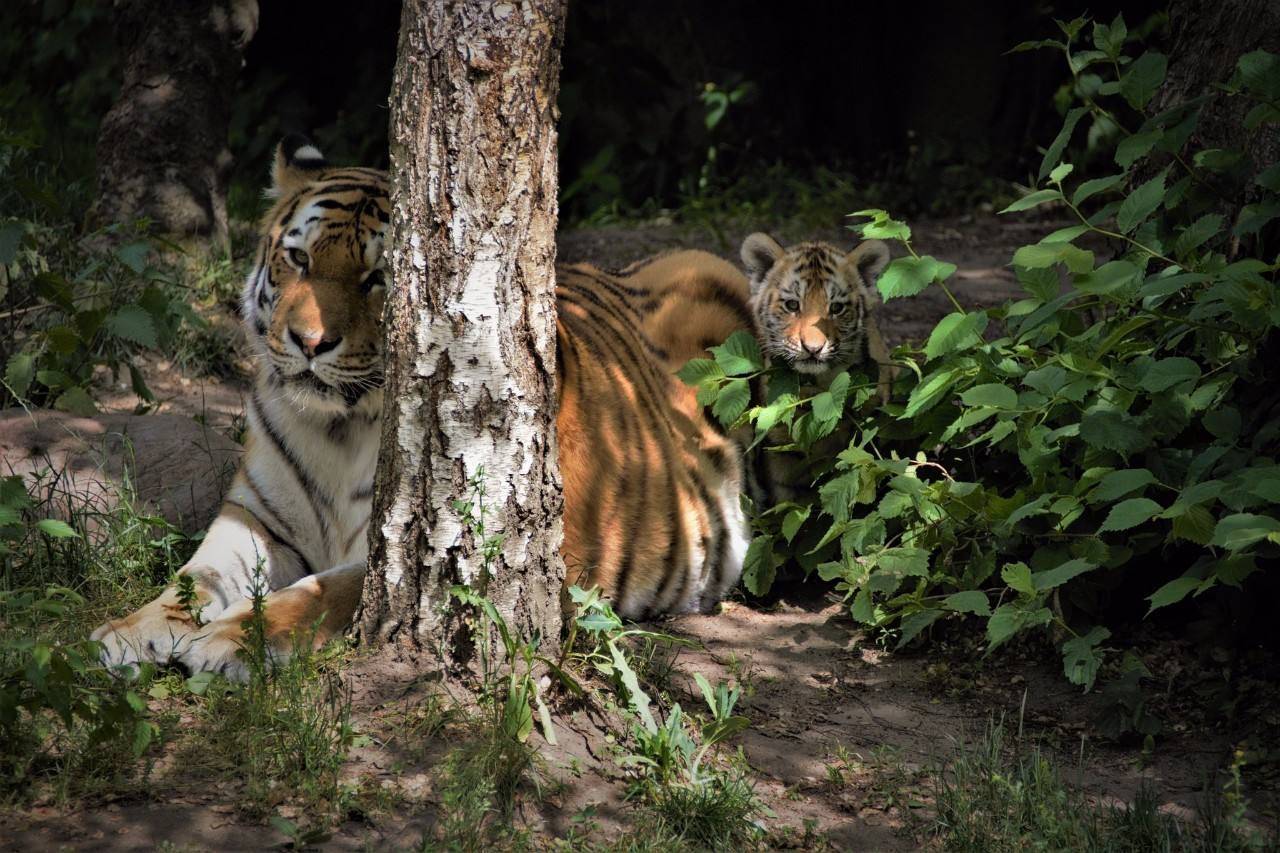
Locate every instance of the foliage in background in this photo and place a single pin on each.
(65, 720)
(1002, 794)
(1115, 424)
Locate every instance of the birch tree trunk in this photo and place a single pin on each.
(470, 383)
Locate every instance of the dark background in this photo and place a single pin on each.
(918, 101)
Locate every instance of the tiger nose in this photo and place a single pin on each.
(312, 344)
(812, 346)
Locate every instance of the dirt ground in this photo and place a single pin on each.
(818, 693)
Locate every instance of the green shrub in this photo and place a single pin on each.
(1115, 419)
(64, 718)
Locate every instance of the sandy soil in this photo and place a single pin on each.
(819, 694)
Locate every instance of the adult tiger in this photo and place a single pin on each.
(651, 484)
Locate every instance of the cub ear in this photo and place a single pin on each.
(297, 161)
(869, 258)
(759, 253)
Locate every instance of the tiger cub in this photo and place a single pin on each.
(814, 311)
(651, 484)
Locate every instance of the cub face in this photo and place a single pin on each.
(812, 301)
(313, 303)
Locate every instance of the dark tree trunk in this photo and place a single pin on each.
(1207, 40)
(470, 384)
(162, 147)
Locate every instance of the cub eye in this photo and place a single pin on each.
(838, 309)
(299, 258)
(377, 278)
(791, 305)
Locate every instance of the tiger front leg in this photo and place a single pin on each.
(308, 613)
(237, 553)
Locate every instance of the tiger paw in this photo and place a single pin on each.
(155, 633)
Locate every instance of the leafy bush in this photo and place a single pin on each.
(72, 304)
(1116, 419)
(63, 716)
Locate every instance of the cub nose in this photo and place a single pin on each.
(312, 344)
(812, 347)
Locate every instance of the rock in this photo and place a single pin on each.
(171, 465)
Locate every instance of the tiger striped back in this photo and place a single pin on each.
(652, 484)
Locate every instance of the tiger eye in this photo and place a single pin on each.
(299, 258)
(791, 305)
(837, 310)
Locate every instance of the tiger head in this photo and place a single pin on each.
(313, 303)
(811, 302)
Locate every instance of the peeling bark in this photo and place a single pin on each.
(162, 147)
(470, 381)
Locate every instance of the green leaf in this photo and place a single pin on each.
(1108, 278)
(1048, 380)
(1040, 255)
(133, 324)
(1260, 73)
(969, 601)
(19, 372)
(1253, 217)
(1129, 514)
(696, 370)
(931, 390)
(1141, 203)
(1194, 524)
(909, 276)
(638, 699)
(904, 562)
(1117, 484)
(1269, 178)
(1197, 234)
(1171, 593)
(1110, 430)
(1243, 529)
(134, 256)
(1168, 372)
(759, 567)
(956, 332)
(1080, 660)
(839, 494)
(1092, 187)
(881, 226)
(1009, 619)
(732, 401)
(56, 529)
(912, 625)
(1034, 199)
(829, 405)
(992, 394)
(1053, 154)
(1056, 577)
(739, 355)
(76, 401)
(793, 519)
(1135, 147)
(1143, 78)
(11, 234)
(199, 683)
(1110, 39)
(1018, 577)
(1060, 172)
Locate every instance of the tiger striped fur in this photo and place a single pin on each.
(651, 484)
(814, 310)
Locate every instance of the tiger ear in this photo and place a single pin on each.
(297, 161)
(759, 253)
(869, 258)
